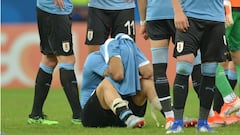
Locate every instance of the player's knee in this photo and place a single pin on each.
(209, 69)
(184, 68)
(46, 68)
(118, 77)
(146, 71)
(148, 75)
(66, 66)
(66, 59)
(49, 60)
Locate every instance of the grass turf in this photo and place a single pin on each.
(16, 105)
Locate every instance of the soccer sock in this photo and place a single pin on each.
(232, 78)
(196, 78)
(222, 82)
(162, 86)
(169, 114)
(180, 92)
(70, 86)
(123, 113)
(211, 112)
(42, 85)
(206, 94)
(229, 98)
(161, 80)
(238, 77)
(233, 83)
(217, 101)
(120, 108)
(167, 107)
(160, 59)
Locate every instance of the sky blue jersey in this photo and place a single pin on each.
(112, 4)
(93, 74)
(97, 62)
(131, 57)
(212, 10)
(159, 9)
(48, 6)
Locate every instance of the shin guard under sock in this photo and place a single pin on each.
(180, 92)
(42, 85)
(206, 94)
(196, 78)
(70, 86)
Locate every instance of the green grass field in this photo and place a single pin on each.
(16, 105)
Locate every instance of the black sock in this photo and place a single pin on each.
(42, 85)
(206, 94)
(70, 86)
(217, 101)
(162, 85)
(123, 113)
(166, 106)
(180, 92)
(233, 83)
(161, 80)
(196, 78)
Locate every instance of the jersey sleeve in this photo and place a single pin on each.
(95, 62)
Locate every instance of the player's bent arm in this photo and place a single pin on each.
(142, 6)
(180, 19)
(115, 69)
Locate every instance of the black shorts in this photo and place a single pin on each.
(208, 36)
(105, 23)
(93, 115)
(55, 33)
(161, 29)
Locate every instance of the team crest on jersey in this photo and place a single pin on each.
(180, 45)
(90, 35)
(66, 46)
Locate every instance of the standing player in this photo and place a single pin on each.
(231, 101)
(200, 25)
(233, 30)
(157, 23)
(232, 35)
(120, 72)
(107, 18)
(54, 24)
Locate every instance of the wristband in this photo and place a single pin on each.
(142, 22)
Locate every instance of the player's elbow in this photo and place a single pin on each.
(118, 76)
(147, 73)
